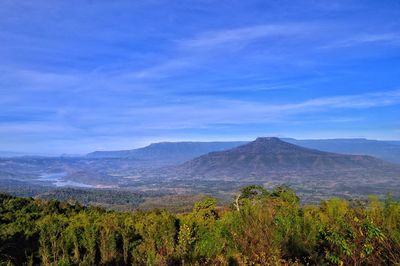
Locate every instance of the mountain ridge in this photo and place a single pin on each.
(168, 152)
(270, 154)
(165, 151)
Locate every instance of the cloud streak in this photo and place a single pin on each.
(210, 44)
(392, 38)
(203, 113)
(210, 112)
(238, 37)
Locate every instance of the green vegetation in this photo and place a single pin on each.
(118, 199)
(261, 227)
(115, 199)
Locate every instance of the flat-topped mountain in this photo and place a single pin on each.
(265, 161)
(168, 152)
(271, 155)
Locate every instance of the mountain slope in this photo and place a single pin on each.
(12, 154)
(165, 153)
(271, 155)
(168, 152)
(385, 150)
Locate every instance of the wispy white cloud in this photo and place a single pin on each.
(162, 70)
(208, 45)
(35, 128)
(228, 38)
(199, 113)
(211, 44)
(352, 101)
(205, 113)
(392, 38)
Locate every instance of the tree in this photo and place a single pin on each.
(249, 193)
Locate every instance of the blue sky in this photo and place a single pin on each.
(77, 76)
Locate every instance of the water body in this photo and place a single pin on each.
(58, 180)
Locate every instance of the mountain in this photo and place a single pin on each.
(266, 156)
(12, 154)
(168, 152)
(266, 161)
(385, 150)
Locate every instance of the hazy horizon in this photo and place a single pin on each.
(175, 141)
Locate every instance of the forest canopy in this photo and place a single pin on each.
(259, 227)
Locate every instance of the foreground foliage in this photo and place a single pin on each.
(262, 227)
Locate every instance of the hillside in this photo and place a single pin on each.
(168, 152)
(270, 155)
(267, 161)
(385, 150)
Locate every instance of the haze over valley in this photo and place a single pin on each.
(217, 168)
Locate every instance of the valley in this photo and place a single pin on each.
(217, 168)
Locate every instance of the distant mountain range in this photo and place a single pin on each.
(168, 152)
(264, 156)
(218, 168)
(385, 150)
(11, 154)
(178, 152)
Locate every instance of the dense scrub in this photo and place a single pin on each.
(125, 200)
(261, 227)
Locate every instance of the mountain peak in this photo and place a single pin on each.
(268, 145)
(270, 155)
(268, 140)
